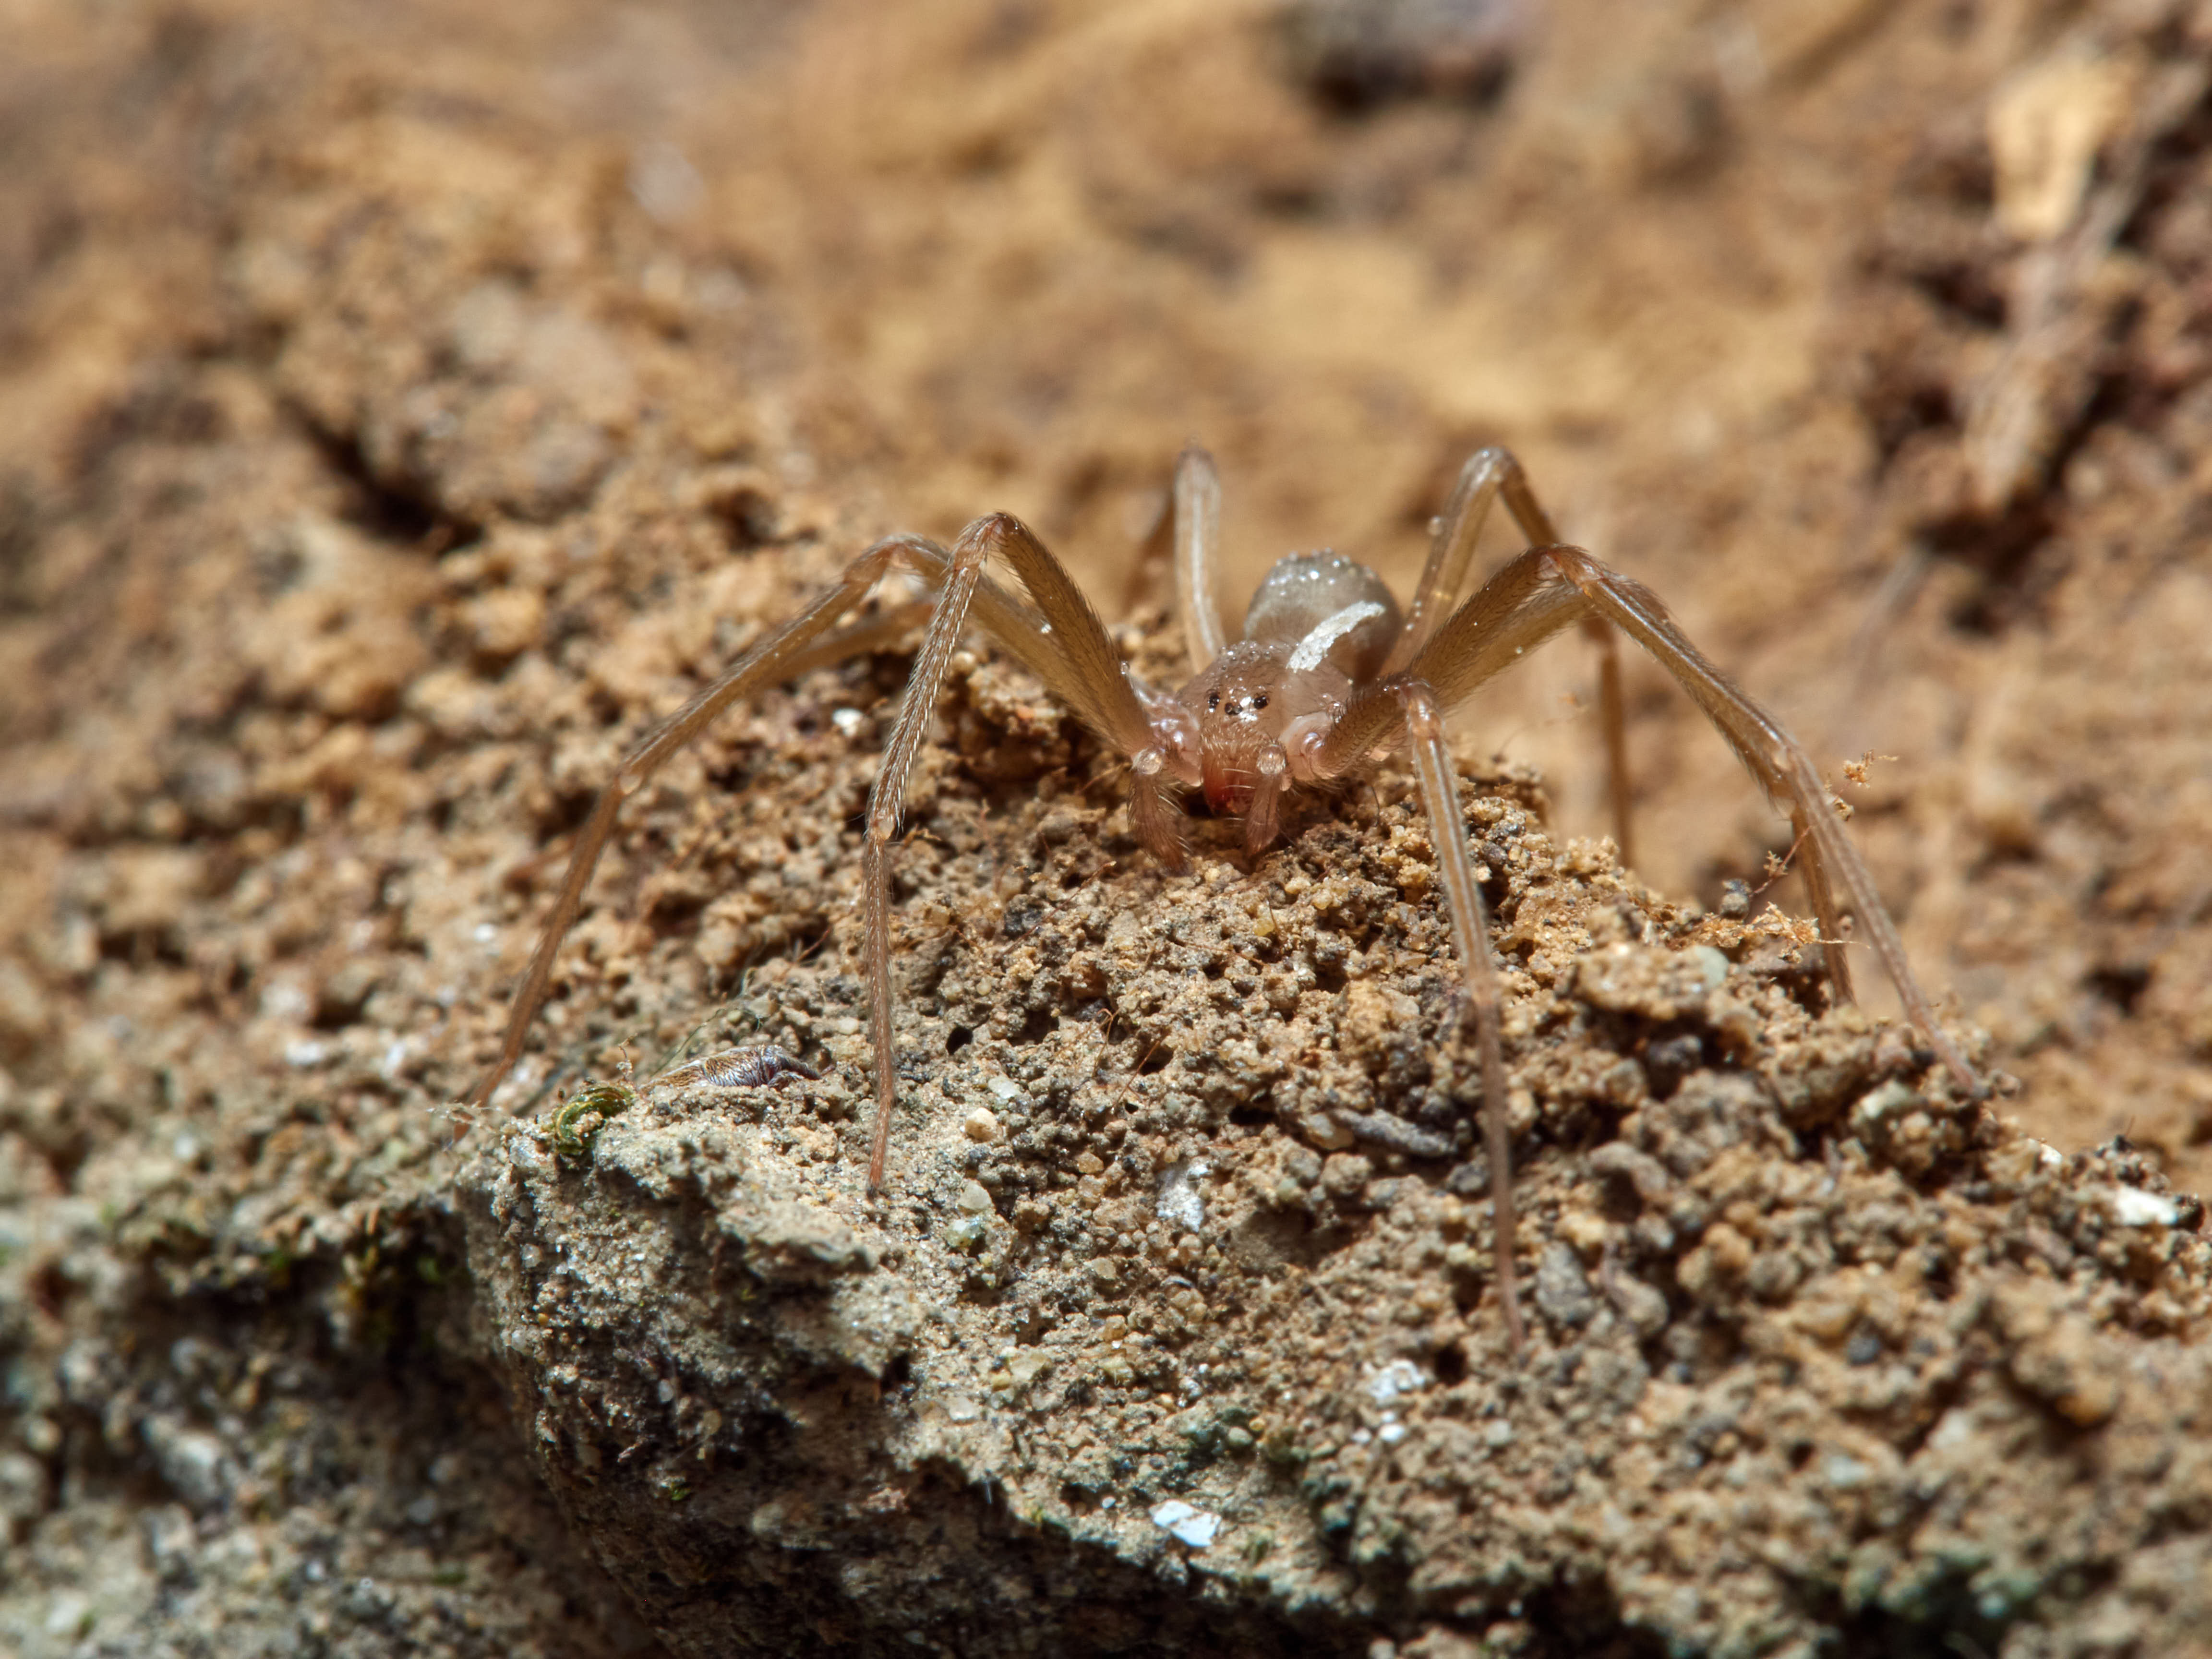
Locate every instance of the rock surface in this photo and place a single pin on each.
(399, 413)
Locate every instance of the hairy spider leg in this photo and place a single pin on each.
(1528, 601)
(780, 654)
(1069, 649)
(1786, 772)
(1546, 589)
(884, 798)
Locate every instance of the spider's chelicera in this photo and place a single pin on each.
(1329, 674)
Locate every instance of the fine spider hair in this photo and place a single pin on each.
(1327, 674)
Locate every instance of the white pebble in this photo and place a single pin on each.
(1194, 1527)
(1843, 1473)
(1386, 1382)
(1180, 1200)
(2133, 1207)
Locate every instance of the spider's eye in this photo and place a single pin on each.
(1260, 702)
(1212, 702)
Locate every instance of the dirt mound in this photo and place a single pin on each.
(401, 413)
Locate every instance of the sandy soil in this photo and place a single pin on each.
(400, 413)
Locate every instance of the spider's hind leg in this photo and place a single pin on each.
(1833, 868)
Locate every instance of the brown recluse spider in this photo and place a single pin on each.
(1327, 674)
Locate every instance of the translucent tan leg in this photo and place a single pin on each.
(1068, 648)
(1061, 640)
(1544, 590)
(1487, 473)
(1198, 553)
(1526, 603)
(884, 799)
(1791, 779)
(780, 654)
(1073, 654)
(1438, 779)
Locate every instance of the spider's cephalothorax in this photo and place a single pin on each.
(1320, 625)
(1329, 673)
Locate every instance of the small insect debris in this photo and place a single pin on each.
(577, 1118)
(1327, 675)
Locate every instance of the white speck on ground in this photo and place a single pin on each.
(1180, 1200)
(2133, 1207)
(1187, 1523)
(1401, 1377)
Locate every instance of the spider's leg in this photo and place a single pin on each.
(1520, 607)
(1825, 907)
(783, 652)
(886, 630)
(1524, 604)
(1198, 550)
(1062, 642)
(915, 709)
(1071, 652)
(1612, 714)
(1782, 766)
(1451, 546)
(1488, 473)
(1438, 779)
(1068, 648)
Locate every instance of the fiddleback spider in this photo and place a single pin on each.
(1329, 673)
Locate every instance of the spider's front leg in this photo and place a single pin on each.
(915, 709)
(804, 642)
(1058, 639)
(1063, 643)
(1408, 705)
(1438, 778)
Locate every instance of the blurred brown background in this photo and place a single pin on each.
(1872, 335)
(400, 404)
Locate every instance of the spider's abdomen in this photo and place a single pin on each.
(1335, 607)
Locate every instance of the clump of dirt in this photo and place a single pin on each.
(395, 423)
(1185, 1273)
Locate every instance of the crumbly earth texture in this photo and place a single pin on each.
(1185, 1274)
(401, 410)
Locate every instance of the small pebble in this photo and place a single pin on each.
(2133, 1207)
(1186, 1524)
